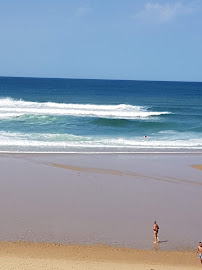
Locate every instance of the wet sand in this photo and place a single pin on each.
(105, 198)
(59, 257)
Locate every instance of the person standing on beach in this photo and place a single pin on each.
(156, 230)
(199, 250)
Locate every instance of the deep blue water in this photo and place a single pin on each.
(99, 115)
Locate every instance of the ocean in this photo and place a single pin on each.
(77, 115)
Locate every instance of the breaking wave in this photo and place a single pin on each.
(14, 108)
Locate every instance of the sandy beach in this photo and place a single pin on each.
(51, 256)
(100, 200)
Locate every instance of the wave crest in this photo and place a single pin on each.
(11, 108)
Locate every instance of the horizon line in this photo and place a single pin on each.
(96, 79)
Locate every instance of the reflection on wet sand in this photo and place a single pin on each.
(110, 199)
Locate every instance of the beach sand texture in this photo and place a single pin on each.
(51, 256)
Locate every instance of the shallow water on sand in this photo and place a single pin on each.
(111, 199)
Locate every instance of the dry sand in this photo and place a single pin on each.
(39, 256)
(198, 167)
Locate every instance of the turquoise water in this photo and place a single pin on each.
(65, 115)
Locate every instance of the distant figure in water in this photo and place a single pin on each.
(145, 136)
(199, 250)
(156, 230)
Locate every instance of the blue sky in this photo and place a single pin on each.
(104, 39)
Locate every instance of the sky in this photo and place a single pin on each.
(102, 39)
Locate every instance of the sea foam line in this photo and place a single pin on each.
(65, 141)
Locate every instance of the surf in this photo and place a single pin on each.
(66, 142)
(11, 108)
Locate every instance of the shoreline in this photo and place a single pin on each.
(46, 255)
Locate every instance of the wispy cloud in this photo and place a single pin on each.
(159, 13)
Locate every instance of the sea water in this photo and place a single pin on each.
(76, 115)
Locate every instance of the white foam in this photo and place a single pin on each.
(65, 141)
(11, 108)
(8, 115)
